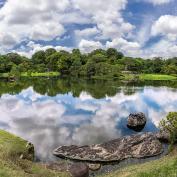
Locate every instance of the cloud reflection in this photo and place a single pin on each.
(64, 120)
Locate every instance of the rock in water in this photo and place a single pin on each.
(136, 121)
(135, 146)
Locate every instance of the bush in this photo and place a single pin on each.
(170, 125)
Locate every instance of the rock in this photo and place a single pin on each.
(61, 167)
(163, 136)
(75, 169)
(135, 146)
(136, 121)
(29, 152)
(79, 170)
(94, 167)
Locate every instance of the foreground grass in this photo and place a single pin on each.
(11, 147)
(164, 167)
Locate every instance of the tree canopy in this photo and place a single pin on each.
(99, 62)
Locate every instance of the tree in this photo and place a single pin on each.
(15, 73)
(52, 61)
(170, 125)
(113, 55)
(64, 62)
(49, 52)
(15, 58)
(39, 57)
(169, 69)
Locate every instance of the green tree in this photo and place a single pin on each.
(39, 57)
(64, 62)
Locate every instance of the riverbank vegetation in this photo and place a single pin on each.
(97, 64)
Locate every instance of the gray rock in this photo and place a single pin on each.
(75, 169)
(79, 170)
(94, 167)
(136, 146)
(136, 121)
(163, 136)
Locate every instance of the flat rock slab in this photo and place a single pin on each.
(135, 146)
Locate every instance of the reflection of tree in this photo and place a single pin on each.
(96, 88)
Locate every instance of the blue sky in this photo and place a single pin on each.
(138, 28)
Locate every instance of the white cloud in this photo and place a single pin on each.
(167, 26)
(31, 19)
(129, 48)
(33, 47)
(106, 15)
(87, 33)
(158, 2)
(164, 48)
(88, 46)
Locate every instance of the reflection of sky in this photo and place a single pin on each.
(64, 120)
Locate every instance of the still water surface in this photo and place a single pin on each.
(50, 113)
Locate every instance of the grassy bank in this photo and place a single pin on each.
(11, 148)
(150, 77)
(156, 77)
(164, 167)
(32, 74)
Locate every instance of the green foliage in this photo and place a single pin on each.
(39, 57)
(170, 125)
(14, 72)
(77, 64)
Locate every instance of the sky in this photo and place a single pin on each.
(138, 28)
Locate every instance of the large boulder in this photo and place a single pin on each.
(136, 121)
(135, 146)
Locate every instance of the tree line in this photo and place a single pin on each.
(99, 62)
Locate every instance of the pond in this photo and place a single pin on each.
(54, 112)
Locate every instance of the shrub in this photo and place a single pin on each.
(170, 125)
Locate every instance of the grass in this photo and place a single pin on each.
(11, 148)
(156, 77)
(150, 77)
(33, 74)
(36, 74)
(164, 167)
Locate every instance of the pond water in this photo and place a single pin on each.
(54, 112)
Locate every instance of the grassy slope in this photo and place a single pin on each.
(11, 147)
(164, 167)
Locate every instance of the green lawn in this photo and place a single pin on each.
(36, 74)
(156, 77)
(164, 167)
(33, 74)
(11, 148)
